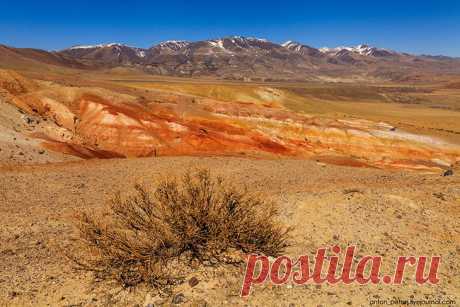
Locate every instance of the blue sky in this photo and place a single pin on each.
(431, 27)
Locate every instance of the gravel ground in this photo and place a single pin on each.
(384, 213)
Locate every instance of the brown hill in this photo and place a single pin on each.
(20, 58)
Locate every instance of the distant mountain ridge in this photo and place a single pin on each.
(238, 57)
(245, 42)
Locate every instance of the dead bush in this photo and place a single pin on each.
(150, 237)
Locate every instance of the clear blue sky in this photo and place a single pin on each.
(431, 27)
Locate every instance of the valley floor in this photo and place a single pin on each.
(388, 213)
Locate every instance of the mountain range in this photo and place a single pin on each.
(246, 58)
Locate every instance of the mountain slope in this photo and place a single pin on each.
(28, 58)
(108, 55)
(243, 58)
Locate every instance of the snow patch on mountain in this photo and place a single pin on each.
(256, 39)
(362, 49)
(292, 46)
(288, 43)
(217, 43)
(140, 53)
(95, 46)
(173, 44)
(237, 41)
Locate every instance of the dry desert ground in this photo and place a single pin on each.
(347, 163)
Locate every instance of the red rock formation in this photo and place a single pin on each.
(97, 126)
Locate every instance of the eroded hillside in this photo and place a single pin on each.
(89, 122)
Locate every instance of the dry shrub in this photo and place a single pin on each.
(148, 237)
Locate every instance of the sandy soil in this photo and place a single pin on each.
(388, 213)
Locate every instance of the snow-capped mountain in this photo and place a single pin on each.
(363, 50)
(106, 54)
(227, 45)
(239, 43)
(238, 57)
(301, 49)
(233, 57)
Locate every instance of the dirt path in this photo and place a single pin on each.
(382, 212)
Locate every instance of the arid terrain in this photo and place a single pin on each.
(370, 161)
(388, 213)
(124, 114)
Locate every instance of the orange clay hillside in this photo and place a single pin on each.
(96, 122)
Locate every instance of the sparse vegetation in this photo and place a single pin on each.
(152, 237)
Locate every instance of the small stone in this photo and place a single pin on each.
(193, 282)
(178, 299)
(441, 196)
(449, 172)
(214, 261)
(12, 294)
(41, 152)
